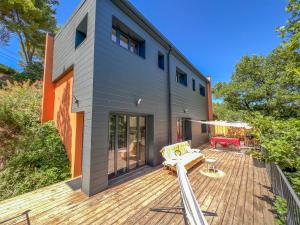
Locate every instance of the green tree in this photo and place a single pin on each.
(29, 20)
(265, 92)
(32, 72)
(267, 85)
(223, 112)
(291, 31)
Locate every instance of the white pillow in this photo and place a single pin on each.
(188, 149)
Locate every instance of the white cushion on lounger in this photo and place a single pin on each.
(185, 159)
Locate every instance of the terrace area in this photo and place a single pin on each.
(151, 196)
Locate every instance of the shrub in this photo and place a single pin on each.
(281, 140)
(280, 206)
(34, 154)
(32, 72)
(40, 160)
(20, 104)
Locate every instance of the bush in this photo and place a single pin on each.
(33, 153)
(40, 160)
(20, 104)
(281, 140)
(280, 206)
(32, 72)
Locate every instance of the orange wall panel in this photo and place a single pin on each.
(57, 106)
(48, 86)
(209, 99)
(69, 125)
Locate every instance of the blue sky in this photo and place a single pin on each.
(213, 35)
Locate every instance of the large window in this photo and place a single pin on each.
(181, 77)
(81, 32)
(126, 41)
(127, 143)
(202, 90)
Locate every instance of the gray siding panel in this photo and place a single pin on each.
(185, 98)
(108, 78)
(82, 60)
(121, 78)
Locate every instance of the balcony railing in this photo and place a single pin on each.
(282, 187)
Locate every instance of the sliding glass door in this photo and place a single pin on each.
(184, 129)
(121, 144)
(133, 141)
(127, 143)
(142, 141)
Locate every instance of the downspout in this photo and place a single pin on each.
(169, 98)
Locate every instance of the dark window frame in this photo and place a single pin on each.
(202, 90)
(194, 84)
(184, 131)
(181, 77)
(81, 32)
(161, 60)
(203, 128)
(140, 51)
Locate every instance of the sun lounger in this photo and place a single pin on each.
(181, 152)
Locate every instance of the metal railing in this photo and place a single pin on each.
(282, 187)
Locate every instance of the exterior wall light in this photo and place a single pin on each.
(186, 110)
(139, 101)
(76, 100)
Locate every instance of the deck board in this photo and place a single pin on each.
(151, 196)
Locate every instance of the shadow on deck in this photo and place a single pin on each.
(152, 196)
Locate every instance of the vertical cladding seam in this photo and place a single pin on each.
(169, 99)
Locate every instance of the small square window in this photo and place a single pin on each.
(194, 84)
(81, 32)
(181, 78)
(161, 61)
(202, 90)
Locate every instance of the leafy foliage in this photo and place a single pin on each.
(292, 29)
(268, 85)
(32, 72)
(6, 70)
(223, 112)
(32, 153)
(265, 91)
(29, 20)
(20, 105)
(280, 138)
(280, 206)
(39, 160)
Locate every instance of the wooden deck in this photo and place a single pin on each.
(151, 196)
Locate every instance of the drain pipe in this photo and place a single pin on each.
(169, 98)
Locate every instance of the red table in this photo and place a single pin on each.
(224, 141)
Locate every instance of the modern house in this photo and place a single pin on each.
(119, 91)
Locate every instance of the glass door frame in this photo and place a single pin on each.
(128, 115)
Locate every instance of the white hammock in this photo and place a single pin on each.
(190, 204)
